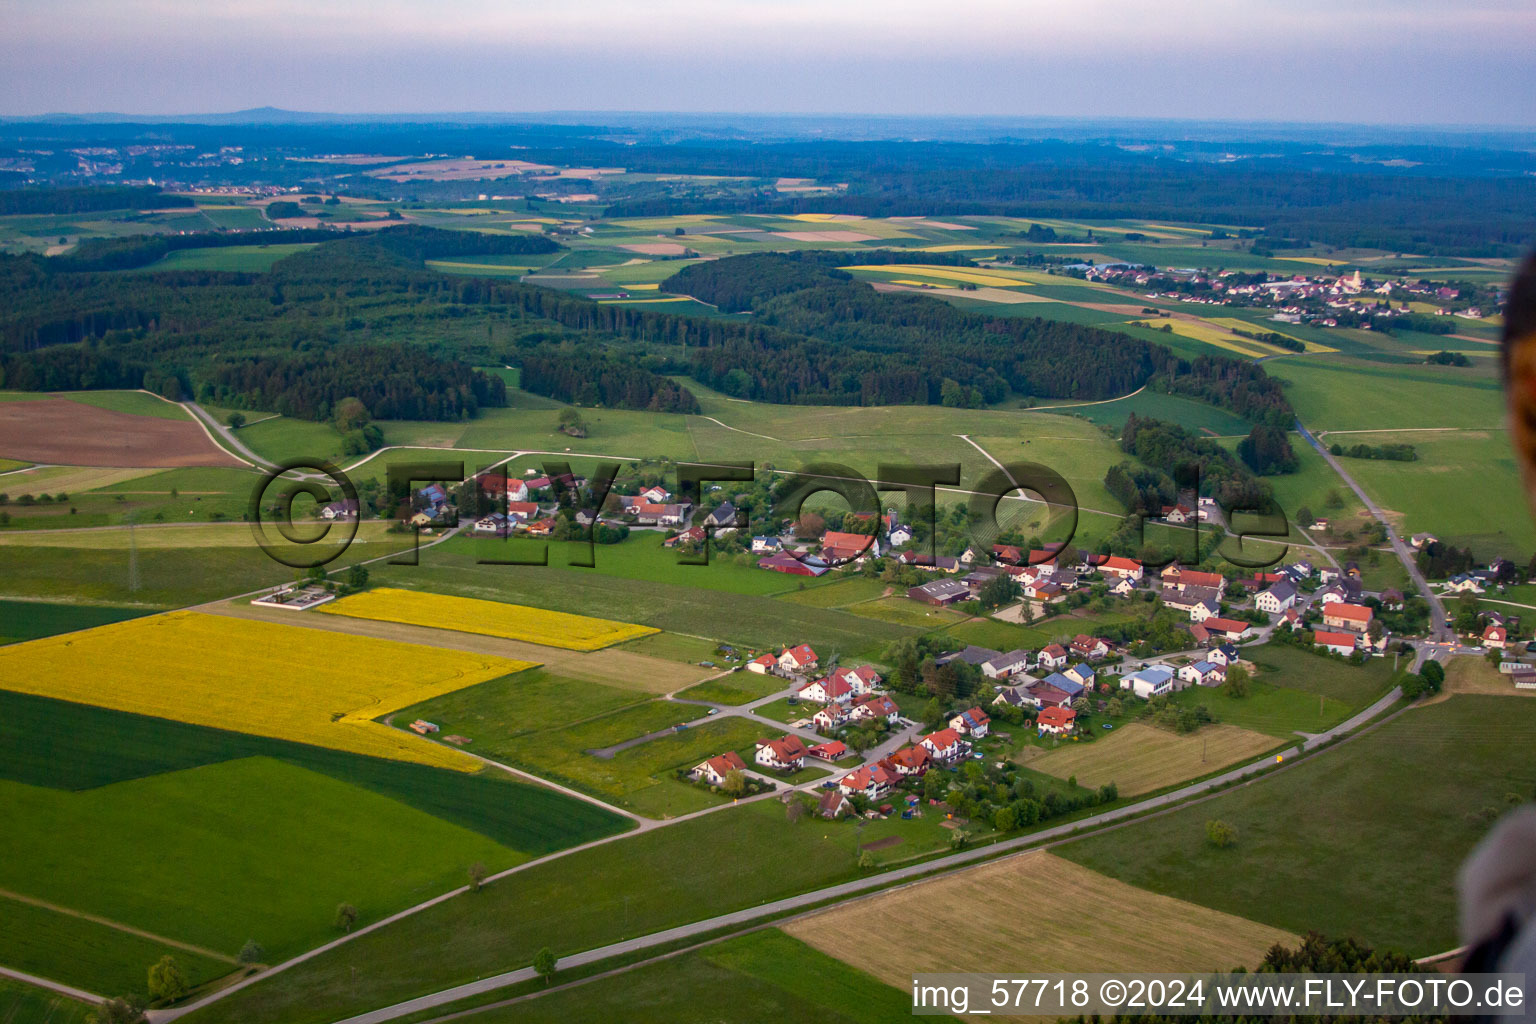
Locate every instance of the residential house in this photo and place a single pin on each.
(1125, 587)
(943, 563)
(1005, 665)
(715, 769)
(876, 707)
(522, 511)
(692, 535)
(899, 535)
(1204, 673)
(1329, 594)
(1200, 602)
(972, 723)
(1291, 619)
(656, 494)
(763, 664)
(1047, 695)
(495, 523)
(1089, 648)
(908, 761)
(1343, 615)
(828, 718)
(945, 745)
(1464, 583)
(1339, 643)
(1392, 600)
(840, 548)
(798, 659)
(651, 513)
(826, 690)
(1042, 590)
(1495, 636)
(1081, 674)
(722, 519)
(1224, 655)
(1065, 683)
(1327, 574)
(1152, 681)
(1276, 599)
(940, 593)
(1009, 553)
(345, 509)
(871, 781)
(1178, 515)
(832, 750)
(785, 754)
(1053, 657)
(766, 545)
(861, 681)
(1180, 578)
(1122, 568)
(834, 804)
(542, 528)
(1056, 721)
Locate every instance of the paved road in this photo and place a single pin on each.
(1404, 554)
(862, 885)
(53, 986)
(225, 438)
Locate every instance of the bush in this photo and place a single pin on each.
(1220, 834)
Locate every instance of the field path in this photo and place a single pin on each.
(53, 986)
(108, 922)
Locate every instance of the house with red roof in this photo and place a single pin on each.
(826, 690)
(871, 781)
(862, 680)
(832, 750)
(1053, 657)
(524, 510)
(763, 664)
(1338, 643)
(1089, 648)
(692, 535)
(1056, 721)
(909, 761)
(945, 745)
(972, 723)
(834, 804)
(1343, 615)
(876, 707)
(838, 548)
(1122, 568)
(715, 769)
(1226, 629)
(785, 754)
(1495, 636)
(1179, 578)
(542, 528)
(798, 659)
(829, 718)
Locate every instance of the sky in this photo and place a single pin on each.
(1450, 62)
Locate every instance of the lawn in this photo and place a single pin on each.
(904, 611)
(1111, 926)
(737, 688)
(249, 848)
(579, 901)
(281, 438)
(1321, 845)
(1140, 758)
(276, 687)
(768, 975)
(840, 593)
(675, 647)
(29, 620)
(488, 618)
(1356, 686)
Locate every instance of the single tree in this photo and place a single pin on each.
(477, 875)
(544, 962)
(236, 420)
(118, 1011)
(734, 784)
(252, 952)
(1221, 834)
(166, 980)
(1237, 681)
(346, 916)
(866, 861)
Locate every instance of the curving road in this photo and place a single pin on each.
(1438, 625)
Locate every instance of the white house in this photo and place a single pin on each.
(763, 664)
(876, 707)
(1005, 665)
(798, 659)
(1053, 657)
(826, 690)
(1224, 655)
(1152, 681)
(1276, 599)
(1203, 673)
(784, 754)
(715, 769)
(945, 745)
(829, 718)
(972, 723)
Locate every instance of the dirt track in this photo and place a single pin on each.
(60, 432)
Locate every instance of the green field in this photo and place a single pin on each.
(26, 1004)
(282, 438)
(1331, 843)
(1196, 416)
(737, 688)
(252, 259)
(768, 975)
(579, 901)
(642, 557)
(28, 620)
(1330, 393)
(138, 403)
(546, 724)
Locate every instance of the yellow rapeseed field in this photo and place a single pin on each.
(309, 685)
(490, 618)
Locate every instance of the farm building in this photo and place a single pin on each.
(1338, 643)
(783, 561)
(940, 593)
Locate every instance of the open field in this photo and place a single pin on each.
(493, 618)
(74, 747)
(768, 975)
(252, 259)
(737, 688)
(29, 620)
(1473, 675)
(1089, 923)
(67, 432)
(582, 900)
(249, 848)
(289, 682)
(1140, 758)
(1321, 844)
(26, 1004)
(1349, 395)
